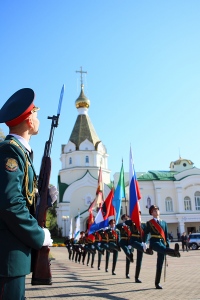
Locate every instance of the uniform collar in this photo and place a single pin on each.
(22, 141)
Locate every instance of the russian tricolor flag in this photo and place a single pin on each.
(134, 194)
(105, 213)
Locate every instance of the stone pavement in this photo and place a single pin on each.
(77, 281)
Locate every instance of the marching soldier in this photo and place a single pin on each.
(81, 246)
(137, 243)
(124, 243)
(97, 244)
(68, 245)
(159, 241)
(114, 237)
(91, 249)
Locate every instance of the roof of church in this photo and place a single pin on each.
(83, 129)
(157, 175)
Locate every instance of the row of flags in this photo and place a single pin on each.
(111, 207)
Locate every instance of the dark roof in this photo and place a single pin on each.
(83, 129)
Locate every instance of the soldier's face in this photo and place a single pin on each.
(34, 123)
(155, 212)
(112, 224)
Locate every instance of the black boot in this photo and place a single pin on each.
(176, 250)
(157, 280)
(137, 272)
(149, 251)
(127, 268)
(113, 268)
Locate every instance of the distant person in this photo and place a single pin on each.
(184, 241)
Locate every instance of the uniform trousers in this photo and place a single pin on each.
(12, 288)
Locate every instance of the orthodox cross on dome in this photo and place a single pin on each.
(81, 74)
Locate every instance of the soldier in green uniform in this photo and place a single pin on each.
(98, 247)
(136, 241)
(159, 242)
(91, 249)
(81, 247)
(113, 242)
(19, 230)
(125, 234)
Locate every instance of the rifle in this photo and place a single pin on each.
(41, 264)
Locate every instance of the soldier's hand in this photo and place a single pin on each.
(47, 238)
(144, 246)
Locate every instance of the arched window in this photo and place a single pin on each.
(187, 203)
(70, 161)
(168, 204)
(197, 200)
(87, 159)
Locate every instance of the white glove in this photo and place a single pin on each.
(124, 224)
(47, 238)
(144, 246)
(129, 246)
(53, 192)
(99, 244)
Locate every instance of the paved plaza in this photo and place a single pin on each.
(77, 281)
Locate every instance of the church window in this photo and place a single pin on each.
(187, 203)
(87, 159)
(197, 200)
(148, 202)
(70, 161)
(168, 204)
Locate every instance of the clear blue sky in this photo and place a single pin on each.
(143, 64)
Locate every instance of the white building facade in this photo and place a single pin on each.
(176, 192)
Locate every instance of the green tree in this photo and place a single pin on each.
(51, 220)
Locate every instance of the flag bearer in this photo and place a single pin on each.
(159, 242)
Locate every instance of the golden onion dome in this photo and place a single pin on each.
(82, 101)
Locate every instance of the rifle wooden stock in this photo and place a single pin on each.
(40, 259)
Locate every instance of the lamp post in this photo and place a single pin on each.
(65, 218)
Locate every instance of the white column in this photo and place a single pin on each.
(180, 204)
(158, 198)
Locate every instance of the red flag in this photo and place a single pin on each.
(98, 201)
(90, 220)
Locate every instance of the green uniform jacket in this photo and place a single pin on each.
(155, 238)
(19, 230)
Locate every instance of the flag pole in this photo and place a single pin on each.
(126, 205)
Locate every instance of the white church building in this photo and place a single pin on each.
(81, 159)
(176, 191)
